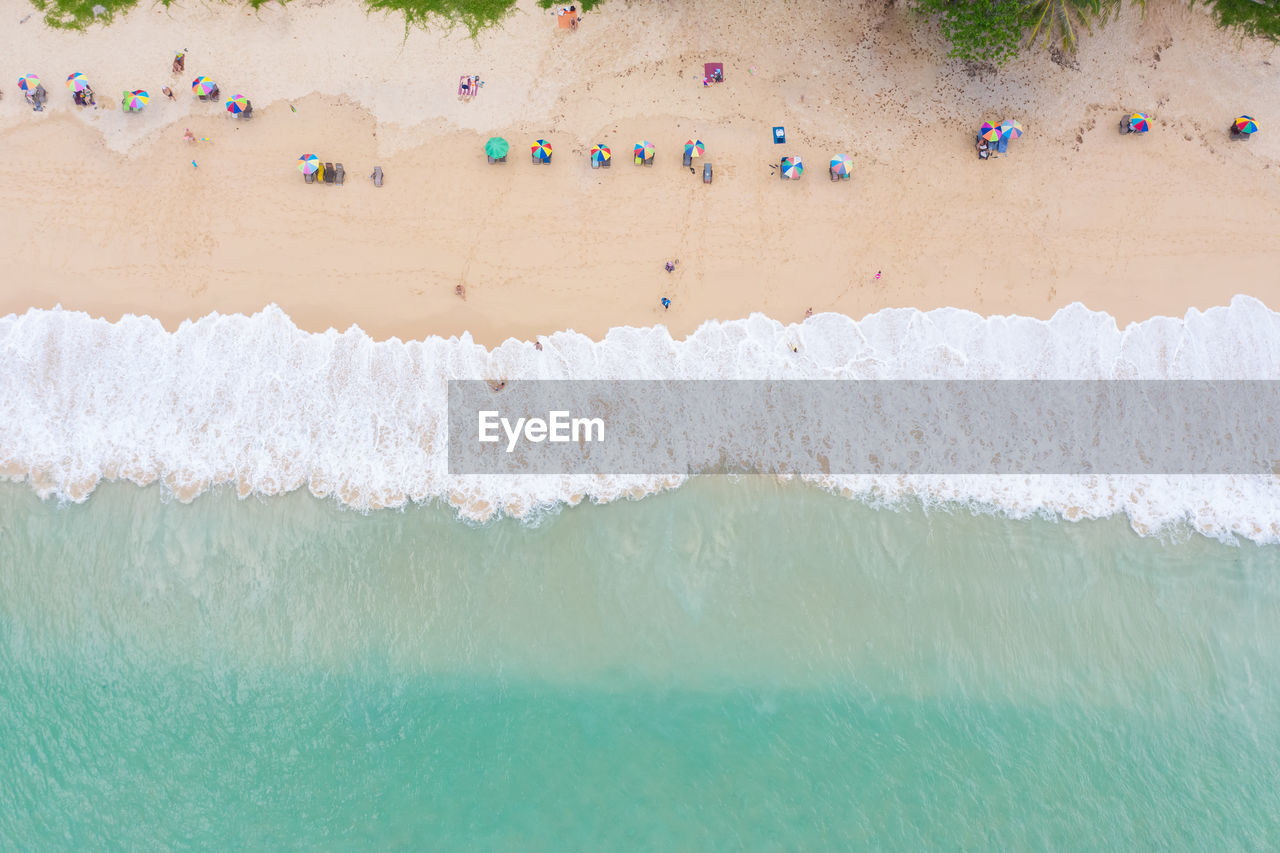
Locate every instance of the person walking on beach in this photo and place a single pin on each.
(666, 303)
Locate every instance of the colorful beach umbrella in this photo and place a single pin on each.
(497, 147)
(840, 165)
(643, 150)
(136, 100)
(792, 167)
(308, 164)
(76, 82)
(1139, 123)
(28, 83)
(542, 151)
(600, 154)
(1246, 125)
(989, 132)
(203, 86)
(695, 148)
(1010, 128)
(236, 104)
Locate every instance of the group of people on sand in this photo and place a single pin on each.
(36, 97)
(469, 86)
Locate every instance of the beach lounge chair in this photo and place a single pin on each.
(688, 160)
(1124, 125)
(339, 174)
(377, 176)
(706, 173)
(1003, 145)
(1237, 136)
(310, 178)
(328, 173)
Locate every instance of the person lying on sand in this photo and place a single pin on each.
(179, 62)
(168, 93)
(189, 136)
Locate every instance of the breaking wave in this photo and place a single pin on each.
(258, 403)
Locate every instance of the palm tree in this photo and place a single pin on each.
(1060, 19)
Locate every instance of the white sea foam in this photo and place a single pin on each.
(257, 402)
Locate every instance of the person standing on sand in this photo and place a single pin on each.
(666, 303)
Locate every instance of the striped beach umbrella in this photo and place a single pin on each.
(600, 154)
(542, 151)
(989, 132)
(695, 148)
(840, 165)
(643, 151)
(136, 100)
(76, 82)
(28, 83)
(1010, 128)
(308, 164)
(1139, 123)
(497, 148)
(1246, 125)
(792, 168)
(202, 86)
(236, 104)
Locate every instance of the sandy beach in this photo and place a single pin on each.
(104, 211)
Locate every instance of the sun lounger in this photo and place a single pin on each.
(310, 178)
(496, 159)
(688, 160)
(377, 176)
(1237, 136)
(339, 174)
(328, 173)
(649, 162)
(706, 173)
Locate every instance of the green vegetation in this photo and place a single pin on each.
(584, 5)
(1059, 21)
(995, 30)
(78, 14)
(475, 15)
(1251, 17)
(979, 30)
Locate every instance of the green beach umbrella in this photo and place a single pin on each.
(497, 148)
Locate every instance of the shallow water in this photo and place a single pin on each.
(732, 664)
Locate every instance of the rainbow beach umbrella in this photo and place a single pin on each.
(600, 154)
(203, 86)
(76, 82)
(792, 168)
(1139, 123)
(695, 148)
(136, 100)
(643, 151)
(542, 151)
(1010, 128)
(236, 104)
(1246, 125)
(308, 164)
(840, 166)
(989, 132)
(28, 83)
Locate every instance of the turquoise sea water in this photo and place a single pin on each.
(732, 665)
